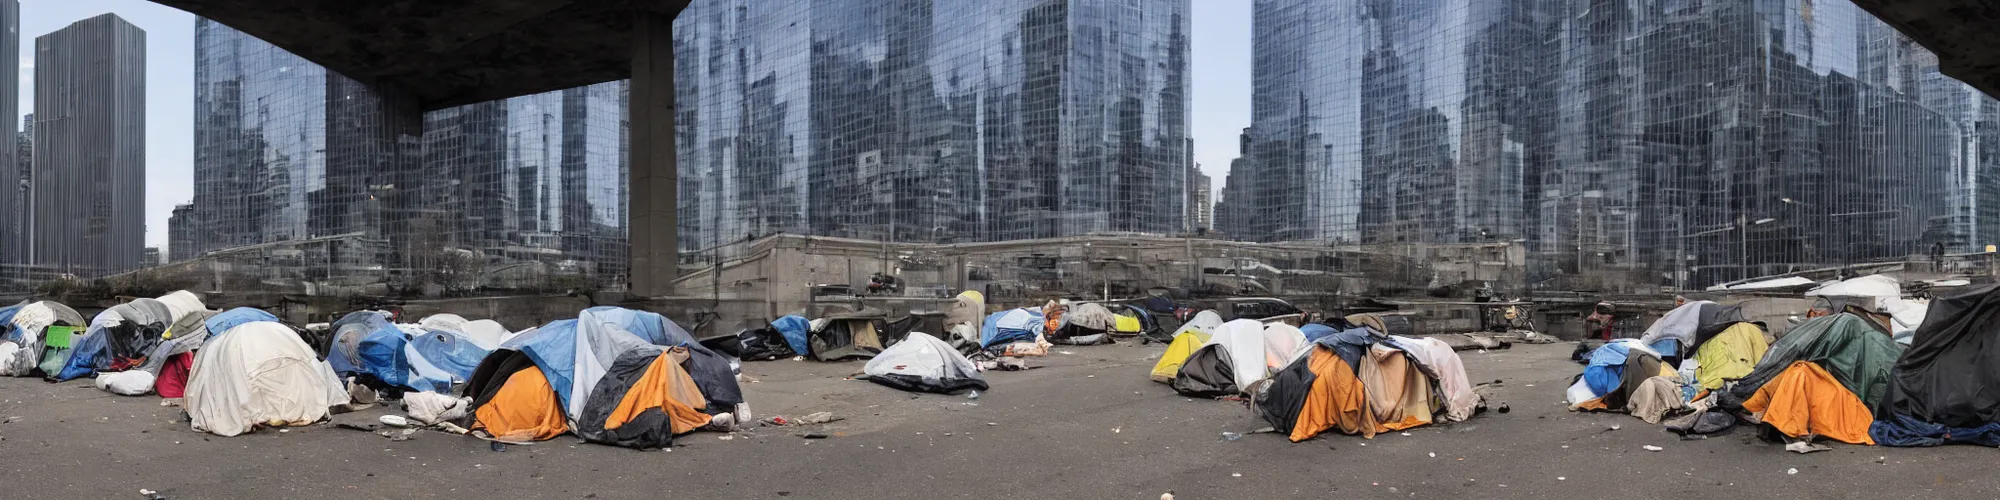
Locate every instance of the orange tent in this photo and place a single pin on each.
(1805, 400)
(1315, 393)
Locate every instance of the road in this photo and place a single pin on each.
(1081, 425)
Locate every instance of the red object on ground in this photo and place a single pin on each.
(174, 376)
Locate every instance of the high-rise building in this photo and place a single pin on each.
(181, 234)
(1201, 210)
(13, 194)
(287, 151)
(931, 120)
(89, 180)
(1697, 141)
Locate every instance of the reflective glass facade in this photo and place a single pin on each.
(289, 152)
(1698, 141)
(86, 213)
(931, 120)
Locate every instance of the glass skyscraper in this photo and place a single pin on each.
(931, 120)
(288, 152)
(85, 205)
(1695, 141)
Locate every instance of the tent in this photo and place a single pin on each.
(170, 362)
(1384, 323)
(444, 354)
(1730, 355)
(258, 373)
(1822, 378)
(1010, 326)
(117, 339)
(366, 346)
(1363, 383)
(1613, 373)
(1087, 323)
(24, 336)
(1134, 320)
(711, 372)
(1315, 393)
(615, 387)
(922, 363)
(1941, 389)
(850, 335)
(772, 340)
(1687, 327)
(447, 321)
(1192, 335)
(1238, 355)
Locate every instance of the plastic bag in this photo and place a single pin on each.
(430, 407)
(126, 383)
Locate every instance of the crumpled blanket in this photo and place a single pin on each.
(430, 407)
(1655, 398)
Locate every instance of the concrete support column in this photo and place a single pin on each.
(654, 179)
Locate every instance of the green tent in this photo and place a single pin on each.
(1845, 345)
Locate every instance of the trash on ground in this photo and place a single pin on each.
(499, 446)
(1791, 472)
(1231, 436)
(1265, 430)
(824, 417)
(813, 435)
(1805, 447)
(1652, 448)
(395, 420)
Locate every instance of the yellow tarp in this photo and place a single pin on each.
(1398, 392)
(1730, 355)
(1805, 400)
(1126, 324)
(1177, 354)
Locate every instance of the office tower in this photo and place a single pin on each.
(89, 179)
(13, 196)
(931, 120)
(181, 234)
(1687, 142)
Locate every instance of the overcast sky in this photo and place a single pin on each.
(1221, 70)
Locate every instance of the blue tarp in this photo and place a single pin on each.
(1350, 344)
(649, 326)
(553, 347)
(795, 329)
(1314, 331)
(1902, 430)
(442, 357)
(1020, 325)
(363, 322)
(223, 321)
(1607, 367)
(8, 332)
(83, 357)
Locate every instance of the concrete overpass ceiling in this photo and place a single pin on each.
(1963, 33)
(448, 52)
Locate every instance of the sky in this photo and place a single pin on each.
(1220, 67)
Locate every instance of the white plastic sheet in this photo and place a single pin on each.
(126, 383)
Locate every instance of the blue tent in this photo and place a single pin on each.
(366, 343)
(711, 372)
(1606, 369)
(795, 329)
(1006, 327)
(1314, 331)
(223, 321)
(443, 356)
(554, 349)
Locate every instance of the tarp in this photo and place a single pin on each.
(259, 373)
(1010, 326)
(1804, 400)
(848, 336)
(1692, 323)
(574, 355)
(643, 400)
(117, 338)
(922, 363)
(513, 401)
(1177, 353)
(180, 303)
(366, 345)
(1317, 392)
(795, 329)
(1452, 382)
(1313, 331)
(1874, 285)
(447, 351)
(711, 372)
(1257, 349)
(230, 319)
(1951, 371)
(1398, 393)
(1855, 354)
(1730, 355)
(446, 321)
(25, 329)
(1091, 316)
(615, 387)
(1207, 373)
(184, 336)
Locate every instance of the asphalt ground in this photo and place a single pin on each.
(1085, 423)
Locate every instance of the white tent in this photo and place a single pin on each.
(1091, 315)
(1204, 322)
(486, 333)
(259, 373)
(446, 321)
(922, 363)
(1256, 349)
